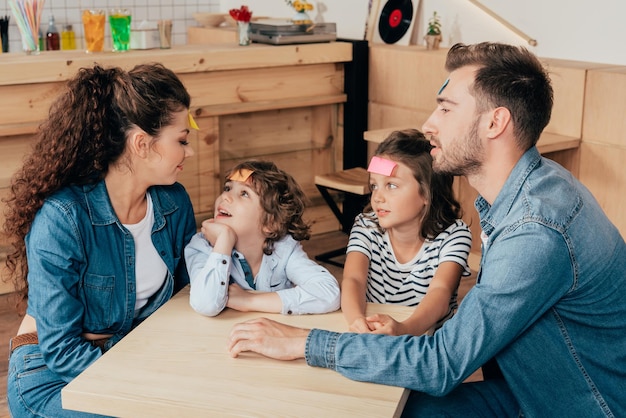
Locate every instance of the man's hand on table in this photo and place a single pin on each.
(269, 338)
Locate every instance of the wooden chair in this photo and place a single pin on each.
(353, 184)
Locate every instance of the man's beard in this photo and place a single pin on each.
(464, 156)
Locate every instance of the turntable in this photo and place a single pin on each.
(284, 32)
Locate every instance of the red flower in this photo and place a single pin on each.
(243, 14)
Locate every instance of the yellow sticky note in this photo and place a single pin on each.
(192, 123)
(241, 175)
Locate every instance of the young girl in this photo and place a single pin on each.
(249, 258)
(409, 246)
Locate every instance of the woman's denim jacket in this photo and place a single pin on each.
(81, 269)
(549, 304)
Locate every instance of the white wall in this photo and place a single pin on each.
(579, 30)
(567, 29)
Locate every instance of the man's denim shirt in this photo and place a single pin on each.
(549, 304)
(81, 269)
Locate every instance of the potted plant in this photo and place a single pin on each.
(433, 34)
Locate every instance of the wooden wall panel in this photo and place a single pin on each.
(248, 135)
(36, 98)
(268, 84)
(602, 171)
(302, 141)
(406, 76)
(14, 148)
(605, 107)
(210, 183)
(603, 149)
(383, 116)
(568, 82)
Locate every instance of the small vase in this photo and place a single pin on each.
(432, 41)
(301, 18)
(243, 32)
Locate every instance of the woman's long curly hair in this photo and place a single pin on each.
(84, 134)
(411, 148)
(282, 200)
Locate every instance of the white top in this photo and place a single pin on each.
(150, 269)
(406, 284)
(304, 287)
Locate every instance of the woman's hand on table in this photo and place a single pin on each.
(269, 338)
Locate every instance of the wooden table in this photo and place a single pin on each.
(176, 364)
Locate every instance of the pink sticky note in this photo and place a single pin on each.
(382, 166)
(241, 175)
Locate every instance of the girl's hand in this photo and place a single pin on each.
(361, 326)
(384, 324)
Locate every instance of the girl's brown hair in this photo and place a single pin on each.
(411, 148)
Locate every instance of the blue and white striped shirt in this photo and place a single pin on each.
(406, 284)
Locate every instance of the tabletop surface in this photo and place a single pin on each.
(176, 364)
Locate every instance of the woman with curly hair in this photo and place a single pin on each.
(248, 256)
(98, 223)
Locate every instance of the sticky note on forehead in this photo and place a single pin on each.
(443, 86)
(241, 175)
(382, 166)
(192, 122)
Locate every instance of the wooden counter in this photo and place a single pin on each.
(281, 103)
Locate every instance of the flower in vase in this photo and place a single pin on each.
(243, 14)
(300, 5)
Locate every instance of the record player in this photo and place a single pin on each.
(284, 31)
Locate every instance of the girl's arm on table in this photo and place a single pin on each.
(432, 308)
(353, 287)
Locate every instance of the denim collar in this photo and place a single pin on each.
(101, 211)
(491, 216)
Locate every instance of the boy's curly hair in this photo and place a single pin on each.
(282, 200)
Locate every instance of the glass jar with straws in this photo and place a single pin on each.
(27, 15)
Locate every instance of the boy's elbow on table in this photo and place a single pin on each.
(203, 307)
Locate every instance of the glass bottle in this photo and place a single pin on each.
(42, 41)
(68, 38)
(52, 37)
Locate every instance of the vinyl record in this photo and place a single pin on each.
(395, 20)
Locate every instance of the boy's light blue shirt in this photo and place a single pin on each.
(304, 287)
